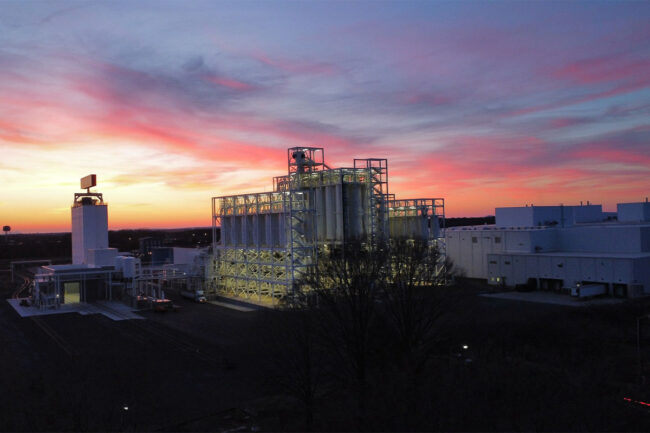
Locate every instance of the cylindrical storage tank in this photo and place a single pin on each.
(357, 210)
(396, 226)
(330, 212)
(260, 221)
(424, 227)
(128, 270)
(434, 226)
(268, 232)
(235, 233)
(391, 227)
(353, 210)
(277, 229)
(364, 210)
(338, 203)
(250, 230)
(414, 225)
(118, 263)
(321, 221)
(225, 231)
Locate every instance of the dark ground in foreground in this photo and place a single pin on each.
(533, 367)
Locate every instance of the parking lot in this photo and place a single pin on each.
(171, 371)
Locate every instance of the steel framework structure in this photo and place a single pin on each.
(264, 242)
(423, 218)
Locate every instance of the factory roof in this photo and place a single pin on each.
(495, 227)
(604, 224)
(75, 268)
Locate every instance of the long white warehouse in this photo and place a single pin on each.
(559, 248)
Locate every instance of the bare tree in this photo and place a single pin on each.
(372, 300)
(414, 299)
(413, 305)
(296, 352)
(346, 285)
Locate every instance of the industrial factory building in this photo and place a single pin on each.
(562, 248)
(97, 272)
(100, 273)
(264, 242)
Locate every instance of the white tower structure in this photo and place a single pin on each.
(89, 221)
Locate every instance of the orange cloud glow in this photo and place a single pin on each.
(459, 107)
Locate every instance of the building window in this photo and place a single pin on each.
(497, 239)
(474, 239)
(506, 263)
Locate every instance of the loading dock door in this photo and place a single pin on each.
(71, 293)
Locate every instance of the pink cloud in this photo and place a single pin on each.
(611, 155)
(617, 90)
(294, 67)
(428, 99)
(604, 69)
(563, 122)
(229, 83)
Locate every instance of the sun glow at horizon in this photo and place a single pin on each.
(171, 107)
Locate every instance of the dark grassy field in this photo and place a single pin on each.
(533, 367)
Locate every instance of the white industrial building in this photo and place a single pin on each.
(89, 222)
(98, 272)
(264, 242)
(559, 248)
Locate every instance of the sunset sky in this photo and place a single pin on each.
(170, 103)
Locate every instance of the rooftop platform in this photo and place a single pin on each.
(113, 310)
